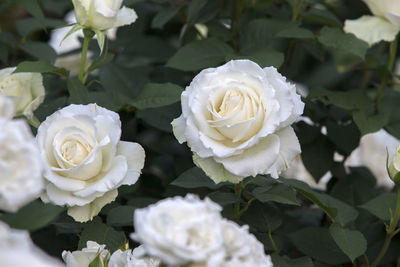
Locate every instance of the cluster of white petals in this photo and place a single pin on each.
(21, 167)
(383, 26)
(191, 231)
(24, 88)
(236, 119)
(17, 250)
(93, 250)
(87, 161)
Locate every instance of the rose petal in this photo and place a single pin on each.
(372, 29)
(134, 154)
(178, 128)
(125, 16)
(61, 197)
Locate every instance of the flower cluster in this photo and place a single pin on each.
(191, 231)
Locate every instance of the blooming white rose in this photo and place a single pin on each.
(6, 107)
(87, 161)
(103, 14)
(82, 258)
(21, 168)
(236, 120)
(25, 88)
(132, 258)
(383, 26)
(179, 230)
(17, 250)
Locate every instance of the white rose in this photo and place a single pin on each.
(384, 26)
(236, 120)
(6, 107)
(87, 161)
(17, 250)
(82, 258)
(132, 258)
(179, 230)
(25, 88)
(103, 14)
(21, 168)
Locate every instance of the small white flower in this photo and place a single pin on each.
(179, 230)
(103, 14)
(82, 258)
(24, 88)
(132, 258)
(21, 167)
(87, 161)
(383, 26)
(236, 119)
(17, 250)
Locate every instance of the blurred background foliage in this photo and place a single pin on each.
(142, 76)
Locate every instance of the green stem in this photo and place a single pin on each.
(238, 192)
(34, 122)
(245, 207)
(296, 9)
(87, 37)
(272, 242)
(391, 231)
(392, 57)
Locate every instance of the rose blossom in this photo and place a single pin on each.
(17, 249)
(103, 14)
(383, 26)
(236, 120)
(82, 258)
(179, 230)
(25, 89)
(21, 168)
(132, 258)
(87, 161)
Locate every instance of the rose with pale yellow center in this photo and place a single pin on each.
(24, 88)
(86, 159)
(236, 120)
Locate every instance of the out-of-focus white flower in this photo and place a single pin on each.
(24, 88)
(132, 258)
(17, 250)
(383, 26)
(103, 14)
(82, 258)
(6, 107)
(87, 161)
(179, 230)
(21, 168)
(236, 119)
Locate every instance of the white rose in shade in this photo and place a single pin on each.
(21, 167)
(179, 230)
(383, 26)
(87, 161)
(82, 258)
(236, 120)
(17, 250)
(25, 88)
(132, 258)
(6, 107)
(103, 14)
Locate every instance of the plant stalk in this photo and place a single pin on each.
(88, 34)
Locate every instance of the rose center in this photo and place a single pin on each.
(232, 100)
(10, 86)
(74, 151)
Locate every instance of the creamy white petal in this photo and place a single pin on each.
(255, 160)
(178, 128)
(215, 170)
(372, 29)
(125, 16)
(88, 211)
(135, 156)
(61, 197)
(394, 18)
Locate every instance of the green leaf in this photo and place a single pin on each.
(280, 193)
(39, 50)
(351, 242)
(3, 53)
(97, 262)
(102, 234)
(264, 56)
(200, 54)
(195, 178)
(121, 216)
(33, 216)
(74, 28)
(263, 217)
(40, 66)
(284, 261)
(194, 10)
(157, 95)
(295, 32)
(317, 243)
(346, 137)
(160, 118)
(381, 205)
(224, 198)
(78, 92)
(345, 213)
(337, 39)
(33, 7)
(100, 61)
(369, 123)
(30, 25)
(164, 16)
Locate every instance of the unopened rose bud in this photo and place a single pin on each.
(394, 167)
